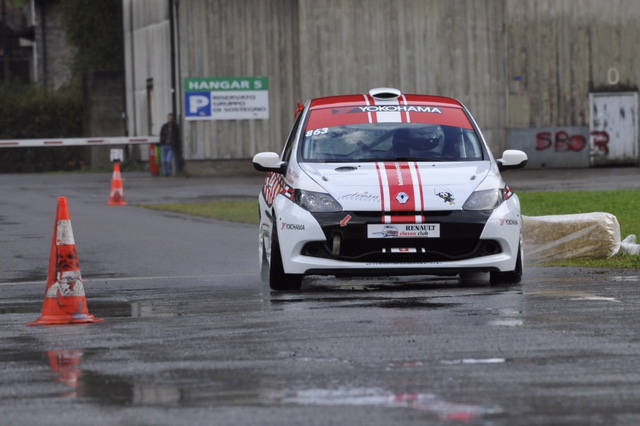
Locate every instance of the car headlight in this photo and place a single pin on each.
(484, 200)
(316, 202)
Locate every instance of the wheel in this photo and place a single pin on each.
(509, 277)
(278, 279)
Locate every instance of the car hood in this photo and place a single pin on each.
(400, 186)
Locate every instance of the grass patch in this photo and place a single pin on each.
(625, 205)
(228, 211)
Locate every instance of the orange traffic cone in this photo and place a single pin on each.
(64, 299)
(117, 191)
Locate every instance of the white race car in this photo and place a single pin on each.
(387, 184)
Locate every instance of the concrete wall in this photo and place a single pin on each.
(516, 64)
(54, 54)
(242, 38)
(553, 147)
(103, 107)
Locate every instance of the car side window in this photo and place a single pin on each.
(291, 140)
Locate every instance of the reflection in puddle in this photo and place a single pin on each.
(633, 278)
(508, 318)
(474, 361)
(109, 390)
(382, 398)
(20, 309)
(388, 283)
(574, 295)
(366, 302)
(66, 365)
(106, 309)
(132, 310)
(114, 390)
(507, 322)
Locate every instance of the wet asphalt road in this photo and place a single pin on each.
(191, 335)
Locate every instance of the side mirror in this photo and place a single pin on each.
(512, 159)
(269, 162)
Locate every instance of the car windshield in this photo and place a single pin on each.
(390, 142)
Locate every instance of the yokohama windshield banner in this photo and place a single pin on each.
(395, 111)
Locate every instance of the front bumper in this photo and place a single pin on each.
(338, 244)
(460, 239)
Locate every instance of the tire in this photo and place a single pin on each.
(509, 277)
(278, 279)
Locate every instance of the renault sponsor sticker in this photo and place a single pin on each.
(406, 230)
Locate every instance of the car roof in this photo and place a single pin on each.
(384, 94)
(386, 105)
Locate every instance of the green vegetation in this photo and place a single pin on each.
(29, 112)
(230, 211)
(625, 205)
(94, 28)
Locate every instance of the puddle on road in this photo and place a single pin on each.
(408, 304)
(66, 369)
(375, 397)
(629, 278)
(392, 283)
(365, 302)
(474, 361)
(115, 309)
(103, 309)
(20, 309)
(573, 295)
(379, 292)
(111, 390)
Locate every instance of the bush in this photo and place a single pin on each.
(28, 112)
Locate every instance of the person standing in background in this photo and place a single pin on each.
(169, 144)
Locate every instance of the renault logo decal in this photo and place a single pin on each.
(402, 198)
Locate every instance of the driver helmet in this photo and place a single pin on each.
(419, 138)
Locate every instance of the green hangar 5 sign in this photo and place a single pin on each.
(239, 98)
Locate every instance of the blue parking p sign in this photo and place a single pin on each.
(234, 98)
(198, 105)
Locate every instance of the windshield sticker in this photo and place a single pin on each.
(323, 118)
(397, 108)
(316, 132)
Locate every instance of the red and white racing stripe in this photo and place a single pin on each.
(400, 183)
(401, 191)
(382, 116)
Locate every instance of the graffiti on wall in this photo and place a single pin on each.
(561, 141)
(600, 142)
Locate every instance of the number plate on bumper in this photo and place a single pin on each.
(404, 230)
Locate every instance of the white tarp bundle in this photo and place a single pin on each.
(573, 236)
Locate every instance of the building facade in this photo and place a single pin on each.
(533, 73)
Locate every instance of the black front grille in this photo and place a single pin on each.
(459, 239)
(413, 250)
